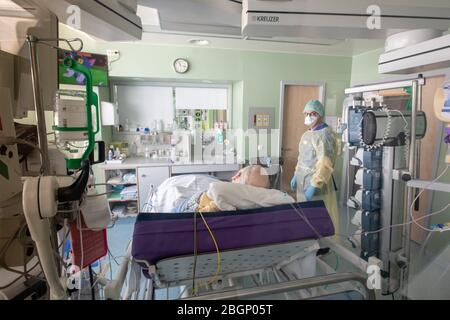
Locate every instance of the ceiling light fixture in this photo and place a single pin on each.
(199, 42)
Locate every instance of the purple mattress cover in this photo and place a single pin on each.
(159, 236)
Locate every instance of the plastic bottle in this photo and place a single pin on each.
(220, 136)
(173, 155)
(159, 126)
(111, 153)
(134, 149)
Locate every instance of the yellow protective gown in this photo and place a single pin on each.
(318, 151)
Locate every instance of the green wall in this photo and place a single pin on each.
(256, 76)
(364, 69)
(259, 73)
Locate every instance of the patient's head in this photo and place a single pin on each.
(255, 176)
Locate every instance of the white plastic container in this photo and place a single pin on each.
(70, 112)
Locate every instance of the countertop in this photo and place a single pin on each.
(133, 163)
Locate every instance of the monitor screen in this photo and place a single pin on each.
(98, 64)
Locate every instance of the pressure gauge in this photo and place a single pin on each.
(181, 65)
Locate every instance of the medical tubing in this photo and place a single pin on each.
(394, 225)
(3, 251)
(423, 246)
(21, 276)
(12, 140)
(414, 220)
(434, 213)
(82, 256)
(407, 134)
(304, 218)
(219, 254)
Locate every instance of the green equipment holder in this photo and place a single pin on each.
(91, 101)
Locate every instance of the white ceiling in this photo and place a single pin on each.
(170, 22)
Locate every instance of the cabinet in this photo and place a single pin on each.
(146, 178)
(121, 186)
(149, 178)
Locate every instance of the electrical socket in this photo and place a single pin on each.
(113, 53)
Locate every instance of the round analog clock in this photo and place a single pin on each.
(181, 65)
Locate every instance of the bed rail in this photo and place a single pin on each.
(289, 286)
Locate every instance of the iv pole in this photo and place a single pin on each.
(36, 83)
(40, 114)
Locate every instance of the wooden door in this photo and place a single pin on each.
(295, 99)
(428, 151)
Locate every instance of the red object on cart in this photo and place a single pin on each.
(93, 247)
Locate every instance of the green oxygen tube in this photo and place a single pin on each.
(74, 163)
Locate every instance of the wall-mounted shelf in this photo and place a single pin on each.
(125, 216)
(115, 197)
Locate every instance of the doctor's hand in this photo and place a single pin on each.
(310, 192)
(294, 183)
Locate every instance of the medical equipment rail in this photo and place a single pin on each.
(289, 286)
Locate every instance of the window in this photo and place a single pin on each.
(142, 105)
(188, 98)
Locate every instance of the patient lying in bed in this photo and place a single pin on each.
(249, 189)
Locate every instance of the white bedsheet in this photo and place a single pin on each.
(176, 189)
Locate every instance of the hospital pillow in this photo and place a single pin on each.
(233, 196)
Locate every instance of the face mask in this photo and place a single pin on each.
(310, 120)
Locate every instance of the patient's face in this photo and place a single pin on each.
(252, 176)
(238, 177)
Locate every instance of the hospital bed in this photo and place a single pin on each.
(277, 249)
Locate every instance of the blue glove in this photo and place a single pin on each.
(294, 183)
(310, 192)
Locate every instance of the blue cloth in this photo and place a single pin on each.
(294, 183)
(181, 207)
(320, 127)
(310, 192)
(188, 205)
